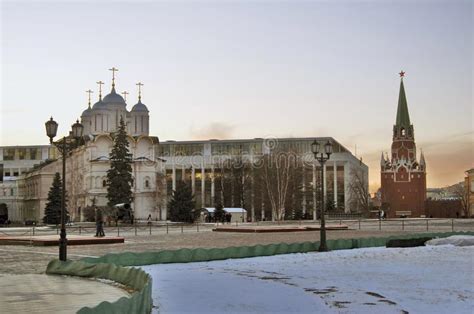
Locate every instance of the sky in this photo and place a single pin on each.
(246, 69)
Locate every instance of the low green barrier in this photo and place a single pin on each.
(110, 267)
(203, 255)
(140, 301)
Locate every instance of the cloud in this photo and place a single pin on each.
(217, 130)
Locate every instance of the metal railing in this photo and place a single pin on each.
(141, 229)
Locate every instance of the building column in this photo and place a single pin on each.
(193, 180)
(346, 187)
(314, 192)
(173, 178)
(325, 183)
(304, 192)
(252, 197)
(203, 187)
(335, 184)
(213, 187)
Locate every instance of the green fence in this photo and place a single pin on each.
(139, 302)
(110, 267)
(203, 255)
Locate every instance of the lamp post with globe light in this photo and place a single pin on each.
(65, 145)
(322, 157)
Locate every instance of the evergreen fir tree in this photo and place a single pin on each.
(219, 213)
(181, 204)
(52, 211)
(119, 176)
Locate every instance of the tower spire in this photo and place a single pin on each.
(139, 84)
(422, 159)
(100, 83)
(89, 92)
(113, 69)
(403, 118)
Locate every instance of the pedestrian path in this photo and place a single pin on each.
(34, 293)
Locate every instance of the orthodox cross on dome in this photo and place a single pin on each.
(100, 83)
(125, 93)
(114, 69)
(139, 84)
(402, 74)
(89, 92)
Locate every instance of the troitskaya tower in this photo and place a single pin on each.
(403, 177)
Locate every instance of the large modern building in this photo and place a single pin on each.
(202, 164)
(157, 167)
(403, 177)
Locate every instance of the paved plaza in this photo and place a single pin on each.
(38, 293)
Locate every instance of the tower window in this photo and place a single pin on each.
(403, 132)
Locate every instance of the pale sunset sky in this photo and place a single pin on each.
(245, 69)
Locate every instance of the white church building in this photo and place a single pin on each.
(87, 165)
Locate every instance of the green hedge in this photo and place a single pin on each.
(140, 301)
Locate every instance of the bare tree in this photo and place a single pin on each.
(278, 170)
(462, 193)
(359, 196)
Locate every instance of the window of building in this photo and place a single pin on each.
(22, 153)
(9, 154)
(403, 132)
(147, 183)
(104, 183)
(7, 173)
(11, 192)
(403, 197)
(15, 173)
(34, 154)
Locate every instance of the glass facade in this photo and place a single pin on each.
(8, 154)
(237, 148)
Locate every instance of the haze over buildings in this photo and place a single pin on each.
(245, 70)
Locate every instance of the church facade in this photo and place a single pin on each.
(403, 176)
(87, 165)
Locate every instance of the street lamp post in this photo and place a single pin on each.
(64, 146)
(322, 157)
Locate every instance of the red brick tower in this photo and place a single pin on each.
(403, 178)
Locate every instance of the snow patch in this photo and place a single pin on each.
(459, 240)
(429, 279)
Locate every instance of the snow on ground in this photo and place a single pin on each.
(459, 240)
(432, 279)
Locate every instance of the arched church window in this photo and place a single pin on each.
(147, 183)
(104, 183)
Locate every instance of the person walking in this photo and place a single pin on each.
(99, 222)
(149, 219)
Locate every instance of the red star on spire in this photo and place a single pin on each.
(402, 74)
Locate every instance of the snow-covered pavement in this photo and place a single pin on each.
(431, 279)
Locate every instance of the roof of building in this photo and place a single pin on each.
(227, 209)
(140, 107)
(114, 98)
(403, 117)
